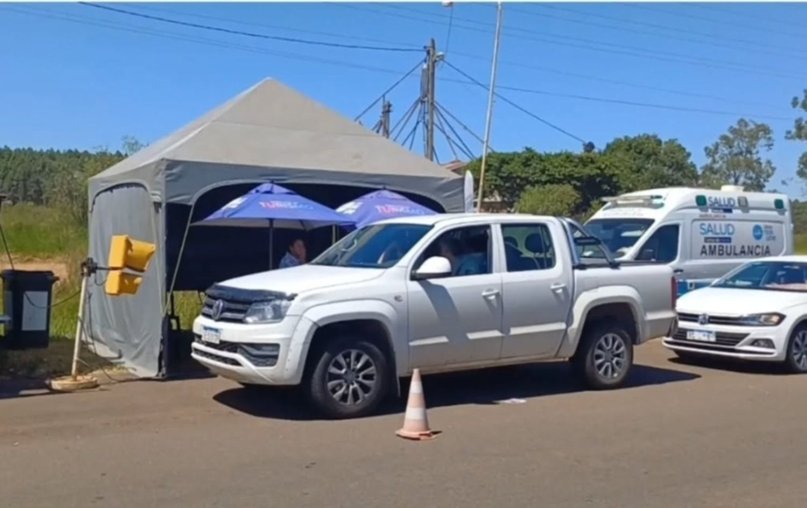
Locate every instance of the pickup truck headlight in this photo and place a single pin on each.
(772, 319)
(267, 312)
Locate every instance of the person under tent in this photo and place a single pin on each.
(296, 254)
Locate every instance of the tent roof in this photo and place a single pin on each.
(271, 125)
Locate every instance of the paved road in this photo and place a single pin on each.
(682, 436)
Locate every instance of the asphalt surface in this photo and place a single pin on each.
(681, 436)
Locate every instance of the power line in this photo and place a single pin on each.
(721, 22)
(520, 108)
(443, 111)
(448, 35)
(656, 26)
(460, 142)
(614, 81)
(197, 40)
(756, 18)
(150, 7)
(594, 45)
(247, 34)
(596, 99)
(639, 104)
(404, 120)
(391, 88)
(609, 100)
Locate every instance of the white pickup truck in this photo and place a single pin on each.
(439, 293)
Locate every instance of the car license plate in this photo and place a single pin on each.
(701, 335)
(211, 335)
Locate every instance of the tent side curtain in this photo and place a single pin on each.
(127, 329)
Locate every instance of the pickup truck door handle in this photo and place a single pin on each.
(490, 293)
(558, 286)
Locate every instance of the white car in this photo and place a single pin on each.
(758, 311)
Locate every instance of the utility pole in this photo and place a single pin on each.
(489, 115)
(429, 97)
(386, 109)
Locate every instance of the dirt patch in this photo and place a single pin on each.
(59, 268)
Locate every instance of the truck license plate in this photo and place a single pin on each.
(701, 335)
(211, 335)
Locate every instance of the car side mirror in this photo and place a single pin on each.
(435, 267)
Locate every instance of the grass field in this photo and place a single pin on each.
(43, 239)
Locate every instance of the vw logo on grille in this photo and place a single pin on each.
(703, 319)
(218, 308)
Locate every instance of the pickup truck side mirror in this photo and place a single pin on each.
(435, 267)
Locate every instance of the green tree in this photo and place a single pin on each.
(507, 175)
(648, 162)
(736, 159)
(799, 133)
(131, 144)
(553, 199)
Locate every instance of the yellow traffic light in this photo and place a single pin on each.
(126, 253)
(120, 283)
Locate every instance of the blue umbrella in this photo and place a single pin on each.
(276, 207)
(380, 205)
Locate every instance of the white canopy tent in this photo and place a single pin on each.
(267, 133)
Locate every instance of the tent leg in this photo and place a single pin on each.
(79, 326)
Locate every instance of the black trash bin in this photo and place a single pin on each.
(26, 304)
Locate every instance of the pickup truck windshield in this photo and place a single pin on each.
(618, 235)
(768, 275)
(374, 246)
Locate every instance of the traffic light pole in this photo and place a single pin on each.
(79, 326)
(88, 269)
(74, 382)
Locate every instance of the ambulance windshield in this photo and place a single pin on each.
(619, 234)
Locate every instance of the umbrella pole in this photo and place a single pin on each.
(271, 243)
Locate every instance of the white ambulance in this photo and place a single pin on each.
(701, 233)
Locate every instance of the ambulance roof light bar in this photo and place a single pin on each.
(649, 201)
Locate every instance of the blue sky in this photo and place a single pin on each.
(74, 76)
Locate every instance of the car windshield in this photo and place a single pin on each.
(767, 275)
(374, 246)
(619, 235)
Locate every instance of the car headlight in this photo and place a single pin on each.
(771, 319)
(267, 312)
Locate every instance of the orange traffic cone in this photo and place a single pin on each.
(416, 424)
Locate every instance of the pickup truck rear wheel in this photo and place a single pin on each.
(349, 379)
(604, 357)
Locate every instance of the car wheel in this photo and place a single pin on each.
(349, 379)
(796, 360)
(604, 357)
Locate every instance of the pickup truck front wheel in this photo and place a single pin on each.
(604, 357)
(349, 379)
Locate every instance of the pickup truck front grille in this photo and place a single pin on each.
(724, 339)
(259, 355)
(231, 311)
(711, 320)
(217, 358)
